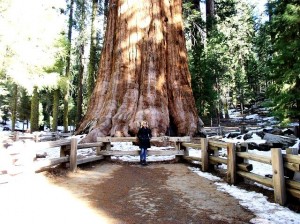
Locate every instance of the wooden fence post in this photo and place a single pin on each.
(73, 155)
(231, 163)
(62, 151)
(278, 176)
(36, 137)
(289, 173)
(204, 154)
(16, 136)
(98, 149)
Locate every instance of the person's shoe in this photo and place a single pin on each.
(144, 163)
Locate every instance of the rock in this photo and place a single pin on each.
(287, 131)
(276, 131)
(264, 147)
(233, 134)
(260, 134)
(252, 145)
(276, 139)
(247, 136)
(41, 155)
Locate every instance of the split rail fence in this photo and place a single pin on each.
(237, 159)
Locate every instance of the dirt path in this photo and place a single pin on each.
(158, 193)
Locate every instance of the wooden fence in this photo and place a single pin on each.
(68, 154)
(238, 166)
(39, 136)
(237, 159)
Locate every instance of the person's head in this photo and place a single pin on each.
(144, 124)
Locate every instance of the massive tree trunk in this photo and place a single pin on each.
(143, 73)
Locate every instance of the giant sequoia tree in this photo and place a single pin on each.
(143, 73)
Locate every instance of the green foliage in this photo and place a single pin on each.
(203, 78)
(4, 100)
(285, 64)
(223, 63)
(24, 106)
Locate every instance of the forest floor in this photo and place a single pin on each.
(157, 193)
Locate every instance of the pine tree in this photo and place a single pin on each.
(24, 106)
(68, 68)
(34, 116)
(285, 64)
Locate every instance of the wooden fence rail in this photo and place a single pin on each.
(237, 165)
(68, 154)
(39, 136)
(237, 159)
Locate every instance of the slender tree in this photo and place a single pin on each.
(210, 15)
(80, 16)
(24, 107)
(14, 107)
(68, 67)
(56, 94)
(92, 67)
(143, 73)
(34, 116)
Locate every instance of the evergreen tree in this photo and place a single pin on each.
(285, 88)
(68, 68)
(34, 116)
(14, 104)
(24, 107)
(229, 50)
(93, 60)
(202, 80)
(80, 42)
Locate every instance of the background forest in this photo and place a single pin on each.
(238, 58)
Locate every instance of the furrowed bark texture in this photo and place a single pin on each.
(143, 73)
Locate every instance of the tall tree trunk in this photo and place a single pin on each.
(210, 15)
(143, 73)
(298, 107)
(68, 60)
(81, 18)
(14, 107)
(34, 115)
(93, 45)
(80, 91)
(55, 109)
(106, 9)
(80, 87)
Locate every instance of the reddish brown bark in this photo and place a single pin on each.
(143, 73)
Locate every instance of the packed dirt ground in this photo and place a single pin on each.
(119, 192)
(158, 193)
(125, 193)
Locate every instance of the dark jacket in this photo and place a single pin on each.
(144, 135)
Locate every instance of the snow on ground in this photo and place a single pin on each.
(266, 212)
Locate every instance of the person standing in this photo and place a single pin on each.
(144, 135)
